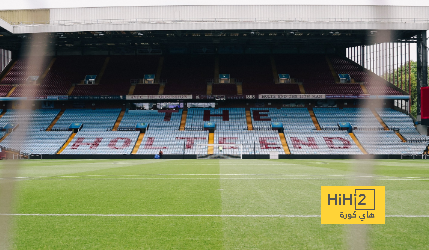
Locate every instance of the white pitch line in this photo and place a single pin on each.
(107, 177)
(233, 164)
(170, 215)
(402, 179)
(220, 175)
(247, 178)
(199, 215)
(408, 216)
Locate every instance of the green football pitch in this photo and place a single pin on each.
(208, 204)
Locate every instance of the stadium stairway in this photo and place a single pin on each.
(2, 113)
(138, 143)
(249, 120)
(131, 91)
(7, 69)
(314, 119)
(216, 69)
(239, 89)
(210, 149)
(379, 119)
(274, 70)
(71, 89)
(209, 88)
(284, 143)
(352, 135)
(11, 91)
(183, 121)
(301, 88)
(365, 91)
(400, 136)
(159, 69)
(55, 120)
(66, 144)
(334, 74)
(118, 121)
(103, 69)
(4, 137)
(51, 63)
(161, 89)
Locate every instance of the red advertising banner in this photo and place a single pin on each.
(425, 102)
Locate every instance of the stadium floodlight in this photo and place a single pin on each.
(220, 151)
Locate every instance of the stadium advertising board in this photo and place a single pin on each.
(223, 97)
(210, 97)
(96, 97)
(56, 98)
(287, 96)
(364, 96)
(158, 97)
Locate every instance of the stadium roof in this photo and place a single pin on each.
(317, 26)
(221, 17)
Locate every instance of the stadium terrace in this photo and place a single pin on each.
(256, 82)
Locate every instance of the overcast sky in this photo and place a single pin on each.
(37, 4)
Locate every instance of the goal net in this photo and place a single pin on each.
(219, 151)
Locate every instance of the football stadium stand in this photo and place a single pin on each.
(258, 81)
(189, 74)
(306, 130)
(302, 138)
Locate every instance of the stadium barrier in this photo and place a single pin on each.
(193, 156)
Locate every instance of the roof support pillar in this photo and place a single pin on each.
(422, 65)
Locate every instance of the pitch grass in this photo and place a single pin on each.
(207, 187)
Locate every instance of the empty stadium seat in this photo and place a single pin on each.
(360, 118)
(319, 142)
(252, 141)
(36, 120)
(157, 119)
(387, 142)
(173, 142)
(98, 119)
(225, 118)
(404, 123)
(36, 142)
(292, 118)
